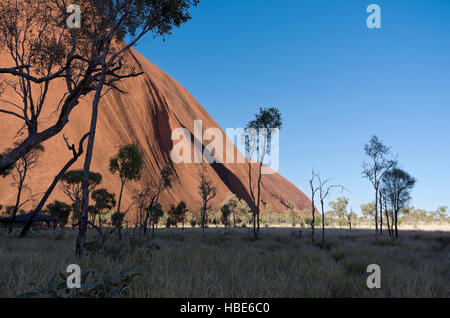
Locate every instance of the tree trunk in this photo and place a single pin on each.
(258, 204)
(323, 224)
(44, 199)
(376, 213)
(16, 207)
(313, 220)
(87, 165)
(118, 209)
(381, 216)
(396, 223)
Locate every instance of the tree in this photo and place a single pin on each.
(104, 200)
(377, 168)
(231, 202)
(191, 218)
(180, 213)
(225, 215)
(207, 192)
(442, 213)
(128, 164)
(155, 212)
(164, 182)
(269, 212)
(351, 218)
(397, 185)
(71, 186)
(42, 50)
(314, 189)
(258, 139)
(117, 20)
(243, 213)
(340, 209)
(76, 154)
(60, 211)
(292, 215)
(21, 169)
(324, 191)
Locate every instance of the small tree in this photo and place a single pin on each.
(71, 186)
(128, 164)
(377, 168)
(442, 213)
(207, 192)
(351, 218)
(292, 215)
(324, 191)
(20, 171)
(180, 213)
(258, 139)
(191, 218)
(164, 182)
(60, 211)
(231, 202)
(225, 215)
(103, 201)
(155, 213)
(397, 186)
(340, 209)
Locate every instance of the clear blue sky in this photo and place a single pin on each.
(335, 81)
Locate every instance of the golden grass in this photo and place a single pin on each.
(227, 263)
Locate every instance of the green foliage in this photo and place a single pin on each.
(93, 285)
(103, 199)
(75, 177)
(127, 162)
(292, 216)
(340, 209)
(191, 218)
(60, 211)
(368, 211)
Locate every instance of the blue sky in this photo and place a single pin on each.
(335, 81)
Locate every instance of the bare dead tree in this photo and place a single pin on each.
(207, 192)
(21, 169)
(324, 191)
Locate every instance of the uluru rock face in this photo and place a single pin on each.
(154, 105)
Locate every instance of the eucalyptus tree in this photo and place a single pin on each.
(397, 186)
(104, 201)
(42, 51)
(258, 140)
(71, 186)
(378, 166)
(164, 182)
(60, 211)
(207, 192)
(112, 21)
(128, 164)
